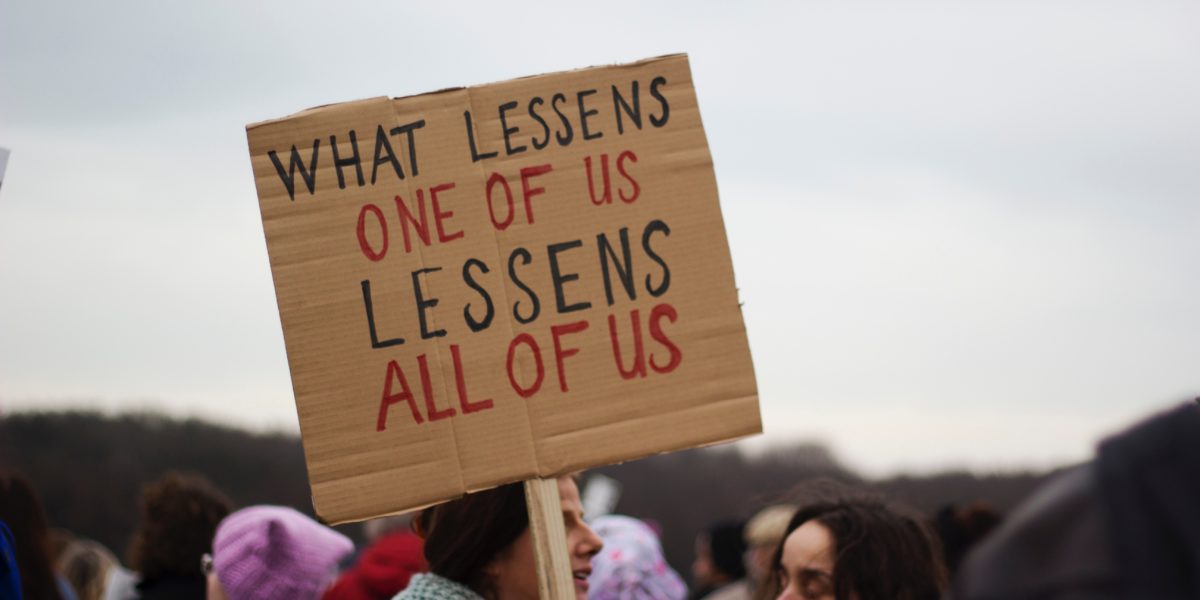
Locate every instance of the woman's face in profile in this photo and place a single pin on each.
(514, 572)
(805, 569)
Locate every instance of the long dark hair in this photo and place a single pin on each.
(882, 551)
(21, 510)
(462, 536)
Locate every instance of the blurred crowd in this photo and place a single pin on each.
(1124, 525)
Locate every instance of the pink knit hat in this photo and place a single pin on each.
(275, 552)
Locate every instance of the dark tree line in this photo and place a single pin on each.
(685, 492)
(90, 468)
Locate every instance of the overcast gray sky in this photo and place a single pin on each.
(986, 214)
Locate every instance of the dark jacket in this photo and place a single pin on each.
(1124, 526)
(191, 587)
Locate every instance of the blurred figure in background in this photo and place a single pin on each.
(719, 570)
(59, 540)
(385, 566)
(763, 533)
(180, 513)
(88, 567)
(1124, 526)
(631, 566)
(273, 553)
(960, 528)
(121, 584)
(856, 549)
(21, 510)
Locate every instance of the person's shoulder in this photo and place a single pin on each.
(738, 590)
(429, 586)
(120, 584)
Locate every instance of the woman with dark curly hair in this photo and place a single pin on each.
(180, 514)
(852, 548)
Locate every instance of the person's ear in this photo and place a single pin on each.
(492, 569)
(491, 573)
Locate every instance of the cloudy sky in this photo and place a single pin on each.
(965, 234)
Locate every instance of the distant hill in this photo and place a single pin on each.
(89, 469)
(687, 491)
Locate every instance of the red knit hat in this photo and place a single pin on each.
(383, 570)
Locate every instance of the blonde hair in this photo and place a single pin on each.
(86, 565)
(768, 526)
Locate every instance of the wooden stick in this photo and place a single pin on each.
(549, 540)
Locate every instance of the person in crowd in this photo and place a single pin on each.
(87, 565)
(59, 540)
(374, 530)
(960, 528)
(121, 584)
(386, 565)
(21, 509)
(719, 569)
(762, 534)
(1123, 526)
(180, 512)
(273, 553)
(631, 566)
(479, 547)
(856, 548)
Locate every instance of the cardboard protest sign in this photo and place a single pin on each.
(489, 284)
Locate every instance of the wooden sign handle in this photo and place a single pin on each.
(549, 540)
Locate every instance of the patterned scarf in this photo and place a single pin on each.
(428, 586)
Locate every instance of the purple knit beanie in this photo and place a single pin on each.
(275, 552)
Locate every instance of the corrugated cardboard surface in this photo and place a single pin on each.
(317, 254)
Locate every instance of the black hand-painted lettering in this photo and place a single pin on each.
(563, 139)
(370, 307)
(620, 105)
(489, 309)
(475, 155)
(289, 178)
(536, 309)
(656, 226)
(624, 265)
(408, 130)
(424, 304)
(585, 113)
(537, 101)
(509, 149)
(340, 163)
(559, 279)
(382, 147)
(656, 83)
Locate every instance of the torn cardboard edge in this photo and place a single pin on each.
(319, 107)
